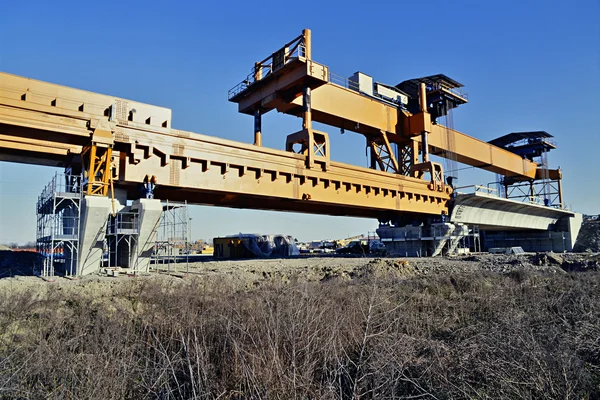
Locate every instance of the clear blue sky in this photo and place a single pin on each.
(527, 65)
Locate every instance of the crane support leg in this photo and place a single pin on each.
(257, 128)
(96, 160)
(314, 145)
(409, 156)
(382, 153)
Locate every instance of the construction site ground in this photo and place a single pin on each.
(17, 268)
(478, 326)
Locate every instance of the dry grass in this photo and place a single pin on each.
(521, 335)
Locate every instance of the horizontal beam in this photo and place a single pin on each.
(208, 170)
(232, 171)
(286, 83)
(344, 108)
(475, 152)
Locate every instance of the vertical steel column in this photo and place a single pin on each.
(307, 44)
(560, 194)
(424, 141)
(531, 192)
(306, 109)
(257, 128)
(257, 113)
(424, 147)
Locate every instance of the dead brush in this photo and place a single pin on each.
(459, 336)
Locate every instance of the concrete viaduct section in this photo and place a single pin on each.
(508, 223)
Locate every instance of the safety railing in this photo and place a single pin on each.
(343, 82)
(456, 91)
(477, 189)
(66, 185)
(59, 227)
(123, 223)
(291, 51)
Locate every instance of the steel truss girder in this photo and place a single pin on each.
(536, 191)
(409, 156)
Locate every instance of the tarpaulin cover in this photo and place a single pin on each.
(269, 245)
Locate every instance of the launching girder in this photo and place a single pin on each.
(47, 124)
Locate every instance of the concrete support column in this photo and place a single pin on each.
(149, 213)
(94, 216)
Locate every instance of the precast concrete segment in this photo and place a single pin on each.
(94, 217)
(496, 213)
(149, 213)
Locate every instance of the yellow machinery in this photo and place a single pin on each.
(291, 82)
(121, 142)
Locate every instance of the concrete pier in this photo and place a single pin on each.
(149, 213)
(94, 217)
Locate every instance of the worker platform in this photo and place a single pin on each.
(124, 150)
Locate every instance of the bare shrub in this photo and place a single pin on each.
(523, 335)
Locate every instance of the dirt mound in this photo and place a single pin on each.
(380, 268)
(568, 262)
(588, 238)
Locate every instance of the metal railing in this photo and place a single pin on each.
(478, 189)
(291, 51)
(123, 223)
(343, 82)
(60, 185)
(455, 91)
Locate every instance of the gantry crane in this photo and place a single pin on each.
(405, 115)
(119, 144)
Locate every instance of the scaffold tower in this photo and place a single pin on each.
(58, 212)
(172, 241)
(122, 237)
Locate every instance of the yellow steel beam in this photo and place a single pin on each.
(275, 179)
(204, 169)
(337, 106)
(475, 152)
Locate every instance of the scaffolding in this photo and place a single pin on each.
(58, 213)
(172, 246)
(122, 240)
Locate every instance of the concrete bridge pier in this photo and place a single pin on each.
(94, 217)
(149, 213)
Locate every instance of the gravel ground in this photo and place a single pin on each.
(252, 273)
